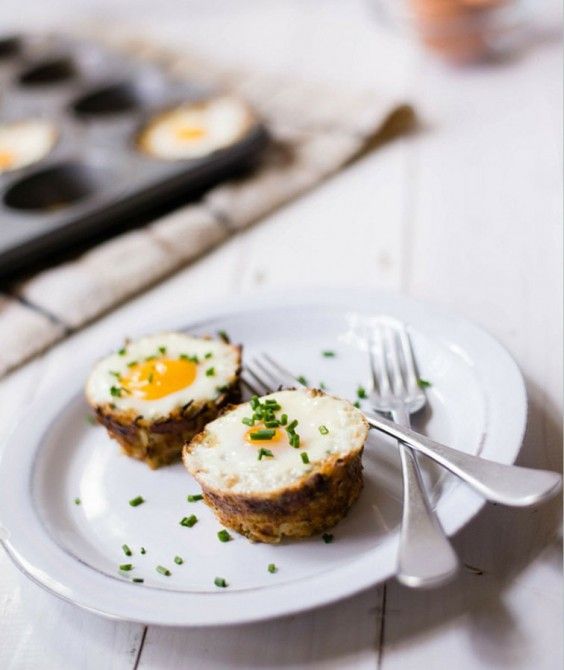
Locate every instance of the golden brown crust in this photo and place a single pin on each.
(159, 442)
(320, 501)
(311, 505)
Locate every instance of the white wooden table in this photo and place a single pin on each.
(468, 214)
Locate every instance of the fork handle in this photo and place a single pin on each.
(506, 484)
(425, 556)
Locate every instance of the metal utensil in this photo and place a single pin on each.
(425, 556)
(511, 485)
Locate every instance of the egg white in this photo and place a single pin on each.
(26, 142)
(225, 460)
(223, 119)
(224, 360)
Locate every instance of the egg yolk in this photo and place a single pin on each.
(6, 159)
(276, 437)
(155, 379)
(189, 133)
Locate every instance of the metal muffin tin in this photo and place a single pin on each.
(94, 176)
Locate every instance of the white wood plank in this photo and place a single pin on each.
(487, 242)
(340, 636)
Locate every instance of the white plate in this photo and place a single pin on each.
(477, 404)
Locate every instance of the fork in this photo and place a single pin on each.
(425, 555)
(511, 485)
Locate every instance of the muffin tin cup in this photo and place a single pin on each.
(94, 175)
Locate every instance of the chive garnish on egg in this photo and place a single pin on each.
(223, 336)
(223, 536)
(178, 560)
(361, 392)
(323, 430)
(138, 500)
(304, 457)
(264, 452)
(302, 380)
(126, 550)
(122, 351)
(208, 355)
(295, 440)
(194, 497)
(163, 571)
(248, 421)
(283, 419)
(210, 372)
(126, 567)
(115, 391)
(162, 350)
(264, 434)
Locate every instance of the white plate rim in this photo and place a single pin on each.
(35, 560)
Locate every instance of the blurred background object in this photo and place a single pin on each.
(460, 31)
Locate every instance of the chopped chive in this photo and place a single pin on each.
(272, 424)
(423, 383)
(328, 354)
(138, 500)
(163, 571)
(323, 386)
(115, 391)
(138, 580)
(150, 378)
(178, 560)
(255, 402)
(223, 336)
(150, 358)
(143, 550)
(222, 389)
(219, 581)
(194, 497)
(295, 440)
(302, 380)
(126, 550)
(361, 392)
(223, 536)
(162, 350)
(272, 568)
(327, 538)
(126, 567)
(210, 372)
(77, 501)
(208, 355)
(356, 403)
(283, 419)
(264, 452)
(115, 374)
(264, 434)
(292, 426)
(304, 457)
(122, 351)
(248, 421)
(323, 430)
(189, 521)
(132, 364)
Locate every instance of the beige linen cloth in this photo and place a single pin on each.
(315, 132)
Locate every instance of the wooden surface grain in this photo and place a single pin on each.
(467, 213)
